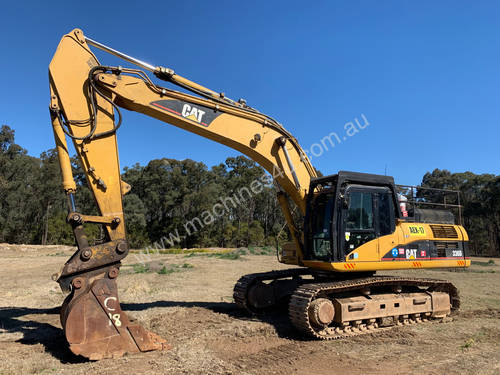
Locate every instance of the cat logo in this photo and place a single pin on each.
(198, 114)
(411, 253)
(192, 113)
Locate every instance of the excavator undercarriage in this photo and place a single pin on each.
(332, 308)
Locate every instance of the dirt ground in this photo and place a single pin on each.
(191, 306)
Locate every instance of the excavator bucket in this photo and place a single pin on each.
(95, 325)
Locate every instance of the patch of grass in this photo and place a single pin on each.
(166, 271)
(233, 254)
(264, 250)
(467, 344)
(468, 270)
(478, 271)
(140, 268)
(174, 268)
(174, 251)
(58, 254)
(489, 263)
(477, 337)
(267, 250)
(222, 254)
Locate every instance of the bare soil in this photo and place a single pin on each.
(191, 306)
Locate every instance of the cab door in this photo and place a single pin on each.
(320, 228)
(357, 219)
(367, 214)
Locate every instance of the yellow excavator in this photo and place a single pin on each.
(349, 225)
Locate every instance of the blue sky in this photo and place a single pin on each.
(424, 73)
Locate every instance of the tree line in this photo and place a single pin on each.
(186, 204)
(166, 193)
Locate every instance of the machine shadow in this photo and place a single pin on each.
(35, 332)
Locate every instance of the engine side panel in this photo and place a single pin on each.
(412, 245)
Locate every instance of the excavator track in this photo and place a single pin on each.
(302, 295)
(244, 285)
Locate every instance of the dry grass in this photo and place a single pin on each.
(192, 308)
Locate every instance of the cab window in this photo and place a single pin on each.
(322, 227)
(360, 211)
(386, 213)
(359, 220)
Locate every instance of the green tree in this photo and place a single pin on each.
(478, 197)
(135, 219)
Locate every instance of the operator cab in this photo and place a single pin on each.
(346, 210)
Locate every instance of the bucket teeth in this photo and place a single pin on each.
(95, 325)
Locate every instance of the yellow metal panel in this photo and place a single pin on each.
(68, 73)
(355, 266)
(368, 257)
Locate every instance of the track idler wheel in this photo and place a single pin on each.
(321, 312)
(95, 325)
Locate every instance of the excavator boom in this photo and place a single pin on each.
(85, 101)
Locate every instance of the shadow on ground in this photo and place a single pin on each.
(36, 332)
(29, 322)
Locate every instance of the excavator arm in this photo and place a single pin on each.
(86, 98)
